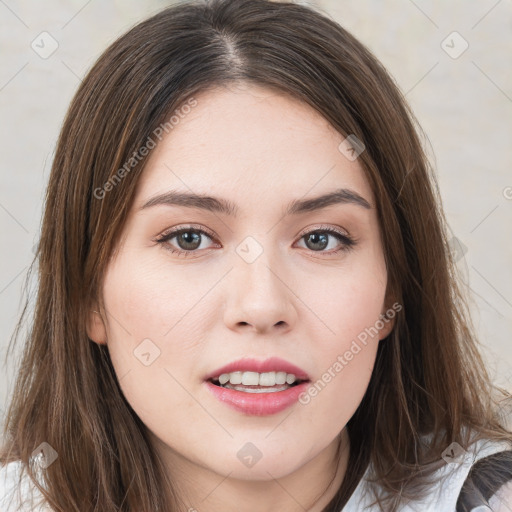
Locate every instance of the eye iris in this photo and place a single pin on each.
(189, 237)
(315, 239)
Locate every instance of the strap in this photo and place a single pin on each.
(485, 478)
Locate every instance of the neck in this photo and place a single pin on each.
(308, 488)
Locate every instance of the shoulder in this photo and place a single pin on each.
(501, 501)
(489, 482)
(17, 491)
(460, 463)
(447, 481)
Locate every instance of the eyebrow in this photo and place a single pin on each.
(224, 206)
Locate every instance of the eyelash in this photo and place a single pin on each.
(347, 242)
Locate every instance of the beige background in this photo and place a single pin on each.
(464, 105)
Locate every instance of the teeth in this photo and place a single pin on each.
(225, 378)
(280, 377)
(250, 379)
(257, 379)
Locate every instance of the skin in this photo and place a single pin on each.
(299, 301)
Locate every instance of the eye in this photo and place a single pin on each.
(318, 240)
(188, 239)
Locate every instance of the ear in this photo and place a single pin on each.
(96, 329)
(387, 318)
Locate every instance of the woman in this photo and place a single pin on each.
(246, 300)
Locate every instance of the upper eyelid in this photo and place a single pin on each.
(194, 227)
(324, 227)
(191, 227)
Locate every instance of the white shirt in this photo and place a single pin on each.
(19, 498)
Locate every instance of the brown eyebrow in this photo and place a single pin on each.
(219, 205)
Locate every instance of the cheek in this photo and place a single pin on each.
(347, 339)
(348, 302)
(148, 300)
(344, 362)
(155, 333)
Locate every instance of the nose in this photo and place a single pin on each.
(259, 298)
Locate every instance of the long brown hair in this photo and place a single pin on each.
(428, 378)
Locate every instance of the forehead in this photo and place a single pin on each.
(248, 140)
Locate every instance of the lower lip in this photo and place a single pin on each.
(258, 404)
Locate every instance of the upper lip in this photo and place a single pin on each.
(247, 364)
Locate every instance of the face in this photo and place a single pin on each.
(260, 272)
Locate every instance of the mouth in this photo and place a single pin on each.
(258, 388)
(250, 375)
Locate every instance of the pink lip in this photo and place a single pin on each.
(258, 404)
(274, 364)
